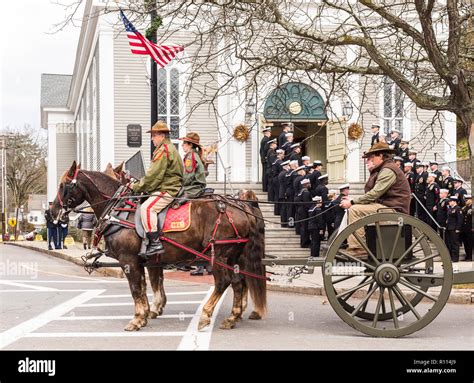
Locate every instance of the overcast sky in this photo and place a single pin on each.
(29, 49)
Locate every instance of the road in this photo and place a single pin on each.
(47, 303)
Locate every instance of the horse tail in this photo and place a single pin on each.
(254, 252)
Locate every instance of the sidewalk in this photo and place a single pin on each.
(306, 283)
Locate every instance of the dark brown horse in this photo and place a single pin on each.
(77, 186)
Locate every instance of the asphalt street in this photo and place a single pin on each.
(47, 303)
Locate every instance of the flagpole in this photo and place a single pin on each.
(153, 80)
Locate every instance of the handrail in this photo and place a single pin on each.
(226, 170)
(429, 215)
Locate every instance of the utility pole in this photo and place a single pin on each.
(153, 75)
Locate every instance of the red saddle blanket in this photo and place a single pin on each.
(178, 219)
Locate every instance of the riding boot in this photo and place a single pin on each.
(154, 246)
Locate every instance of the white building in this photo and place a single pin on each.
(109, 95)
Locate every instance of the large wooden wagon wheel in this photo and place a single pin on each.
(402, 284)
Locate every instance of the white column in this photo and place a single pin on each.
(52, 186)
(353, 147)
(106, 95)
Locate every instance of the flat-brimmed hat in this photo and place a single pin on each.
(159, 127)
(379, 147)
(397, 158)
(289, 124)
(266, 129)
(345, 186)
(191, 137)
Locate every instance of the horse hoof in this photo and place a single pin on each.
(153, 315)
(135, 324)
(131, 327)
(203, 323)
(255, 316)
(227, 324)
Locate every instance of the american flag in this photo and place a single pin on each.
(161, 54)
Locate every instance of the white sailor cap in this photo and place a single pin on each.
(375, 126)
(397, 158)
(297, 145)
(284, 163)
(457, 179)
(467, 196)
(434, 175)
(323, 176)
(280, 151)
(293, 162)
(446, 168)
(453, 198)
(425, 164)
(302, 167)
(409, 164)
(443, 190)
(394, 131)
(305, 158)
(345, 186)
(412, 151)
(273, 141)
(317, 163)
(266, 129)
(288, 134)
(317, 198)
(433, 162)
(305, 181)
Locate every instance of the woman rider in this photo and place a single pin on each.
(194, 179)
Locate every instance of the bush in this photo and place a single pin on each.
(44, 233)
(75, 233)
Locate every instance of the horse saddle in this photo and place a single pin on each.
(169, 219)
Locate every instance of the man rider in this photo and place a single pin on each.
(162, 181)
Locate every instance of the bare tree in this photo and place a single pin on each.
(26, 168)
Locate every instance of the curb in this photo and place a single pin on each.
(103, 271)
(457, 297)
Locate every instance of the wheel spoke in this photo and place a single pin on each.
(434, 255)
(359, 261)
(397, 236)
(379, 240)
(363, 308)
(353, 290)
(418, 240)
(350, 295)
(405, 301)
(384, 311)
(364, 301)
(377, 309)
(419, 291)
(392, 305)
(341, 279)
(366, 248)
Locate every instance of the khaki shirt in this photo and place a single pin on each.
(165, 173)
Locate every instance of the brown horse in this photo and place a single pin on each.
(77, 186)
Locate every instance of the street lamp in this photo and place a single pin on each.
(348, 109)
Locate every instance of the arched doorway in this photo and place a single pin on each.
(304, 106)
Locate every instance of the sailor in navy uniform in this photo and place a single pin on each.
(453, 228)
(282, 197)
(287, 128)
(420, 188)
(432, 199)
(412, 158)
(270, 158)
(287, 145)
(304, 199)
(276, 169)
(466, 228)
(411, 178)
(316, 225)
(267, 132)
(459, 191)
(442, 210)
(448, 181)
(338, 210)
(296, 153)
(290, 192)
(322, 190)
(434, 169)
(375, 129)
(297, 186)
(404, 149)
(314, 175)
(395, 141)
(399, 161)
(306, 161)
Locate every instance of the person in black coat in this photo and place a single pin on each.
(282, 138)
(63, 229)
(287, 145)
(442, 210)
(295, 154)
(282, 197)
(434, 169)
(453, 228)
(304, 197)
(375, 129)
(395, 141)
(399, 161)
(316, 226)
(412, 158)
(411, 178)
(404, 149)
(267, 132)
(329, 213)
(270, 158)
(459, 191)
(432, 199)
(420, 188)
(314, 175)
(52, 226)
(338, 210)
(275, 170)
(466, 228)
(448, 180)
(322, 190)
(290, 192)
(297, 187)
